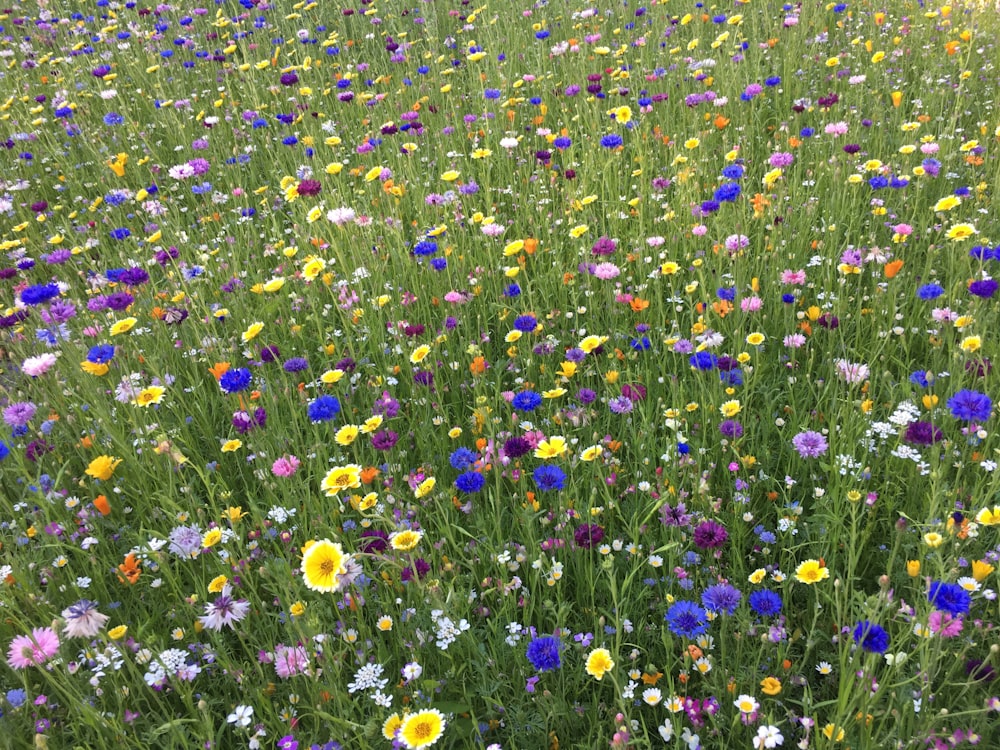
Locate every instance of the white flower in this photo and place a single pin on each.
(241, 715)
(767, 737)
(667, 730)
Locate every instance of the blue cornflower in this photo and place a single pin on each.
(425, 247)
(765, 602)
(543, 653)
(462, 459)
(549, 477)
(613, 140)
(526, 401)
(721, 597)
(686, 619)
(640, 344)
(922, 378)
(709, 207)
(727, 192)
(703, 360)
(733, 171)
(439, 264)
(17, 697)
(949, 597)
(234, 381)
(970, 406)
(727, 293)
(525, 323)
(930, 291)
(4, 450)
(113, 118)
(101, 354)
(470, 482)
(562, 142)
(878, 182)
(322, 409)
(492, 93)
(36, 295)
(512, 290)
(871, 636)
(120, 233)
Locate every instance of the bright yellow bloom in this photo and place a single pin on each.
(554, 393)
(331, 376)
(94, 368)
(599, 661)
(422, 729)
(811, 572)
(274, 285)
(371, 424)
(913, 568)
(989, 516)
(770, 685)
(384, 623)
(118, 632)
(592, 342)
(251, 332)
(513, 248)
(123, 326)
(102, 467)
(424, 488)
(151, 395)
(933, 540)
(347, 434)
(755, 339)
(833, 732)
(961, 232)
(406, 540)
(217, 584)
(211, 538)
(981, 569)
(231, 446)
(757, 576)
(450, 176)
(419, 354)
(730, 408)
(592, 453)
(341, 478)
(947, 203)
(390, 725)
(554, 447)
(323, 563)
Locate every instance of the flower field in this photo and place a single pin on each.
(467, 374)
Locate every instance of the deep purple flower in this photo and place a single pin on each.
(983, 288)
(603, 246)
(923, 433)
(384, 440)
(422, 566)
(588, 535)
(516, 447)
(374, 541)
(710, 535)
(296, 364)
(730, 428)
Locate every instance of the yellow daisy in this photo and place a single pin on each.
(322, 565)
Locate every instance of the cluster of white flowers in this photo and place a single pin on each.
(369, 677)
(447, 630)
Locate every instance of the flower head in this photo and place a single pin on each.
(323, 564)
(421, 729)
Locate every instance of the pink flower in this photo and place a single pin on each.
(903, 229)
(606, 271)
(751, 304)
(290, 660)
(836, 128)
(33, 650)
(793, 277)
(36, 366)
(285, 466)
(944, 624)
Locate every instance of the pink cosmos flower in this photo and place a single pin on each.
(285, 466)
(33, 650)
(37, 366)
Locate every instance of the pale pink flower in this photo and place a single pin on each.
(751, 304)
(793, 277)
(944, 624)
(606, 271)
(33, 650)
(836, 128)
(290, 660)
(37, 366)
(285, 466)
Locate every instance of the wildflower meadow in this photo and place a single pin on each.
(499, 374)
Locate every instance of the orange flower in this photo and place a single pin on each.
(530, 245)
(722, 307)
(219, 369)
(102, 505)
(720, 122)
(478, 366)
(892, 268)
(651, 679)
(368, 474)
(694, 652)
(130, 569)
(638, 304)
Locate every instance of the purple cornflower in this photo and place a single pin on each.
(588, 535)
(721, 598)
(620, 405)
(19, 413)
(710, 535)
(810, 444)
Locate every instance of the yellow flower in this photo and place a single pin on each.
(384, 623)
(216, 584)
(231, 446)
(450, 176)
(989, 516)
(961, 232)
(94, 368)
(424, 488)
(123, 326)
(757, 576)
(554, 393)
(554, 447)
(233, 513)
(770, 685)
(251, 332)
(102, 467)
(833, 732)
(373, 174)
(592, 342)
(331, 376)
(389, 727)
(730, 408)
(971, 344)
(347, 434)
(323, 563)
(405, 540)
(599, 661)
(151, 395)
(118, 632)
(421, 729)
(947, 203)
(567, 369)
(419, 354)
(669, 268)
(981, 569)
(313, 267)
(755, 339)
(371, 424)
(512, 337)
(933, 540)
(275, 284)
(211, 538)
(811, 572)
(592, 453)
(692, 143)
(341, 478)
(513, 248)
(297, 609)
(578, 231)
(367, 502)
